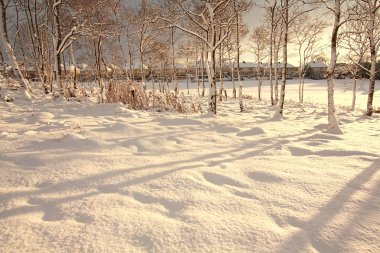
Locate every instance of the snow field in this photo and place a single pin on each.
(84, 177)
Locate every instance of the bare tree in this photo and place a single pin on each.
(129, 32)
(306, 32)
(295, 9)
(271, 7)
(230, 49)
(370, 15)
(187, 52)
(238, 53)
(146, 31)
(24, 84)
(208, 16)
(275, 21)
(32, 35)
(336, 8)
(260, 41)
(357, 46)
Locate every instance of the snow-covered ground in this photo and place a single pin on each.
(86, 177)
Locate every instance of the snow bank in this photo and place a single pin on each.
(102, 178)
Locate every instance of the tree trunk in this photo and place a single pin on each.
(187, 80)
(152, 76)
(276, 75)
(302, 87)
(174, 76)
(75, 74)
(99, 70)
(56, 43)
(203, 76)
(332, 121)
(285, 58)
(259, 87)
(354, 94)
(213, 93)
(271, 69)
(241, 105)
(197, 71)
(143, 85)
(300, 72)
(372, 76)
(131, 74)
(221, 69)
(233, 81)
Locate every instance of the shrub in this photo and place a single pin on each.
(136, 98)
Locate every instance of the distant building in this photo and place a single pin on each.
(319, 68)
(316, 70)
(292, 71)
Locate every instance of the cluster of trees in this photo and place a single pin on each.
(46, 33)
(52, 34)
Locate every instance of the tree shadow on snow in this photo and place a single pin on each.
(367, 212)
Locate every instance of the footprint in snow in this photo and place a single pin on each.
(264, 177)
(52, 212)
(244, 195)
(219, 179)
(226, 129)
(84, 218)
(295, 221)
(172, 206)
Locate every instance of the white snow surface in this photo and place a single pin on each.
(86, 177)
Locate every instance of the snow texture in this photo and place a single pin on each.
(87, 177)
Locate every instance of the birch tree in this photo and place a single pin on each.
(60, 43)
(238, 53)
(357, 46)
(336, 8)
(131, 45)
(271, 7)
(306, 31)
(208, 16)
(24, 84)
(98, 24)
(260, 40)
(32, 35)
(295, 9)
(145, 32)
(371, 18)
(285, 17)
(274, 19)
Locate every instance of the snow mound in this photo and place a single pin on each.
(226, 129)
(73, 137)
(250, 132)
(322, 136)
(125, 112)
(43, 115)
(178, 122)
(122, 127)
(70, 140)
(31, 133)
(157, 145)
(4, 134)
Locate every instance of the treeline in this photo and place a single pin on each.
(56, 36)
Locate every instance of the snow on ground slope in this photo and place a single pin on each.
(79, 177)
